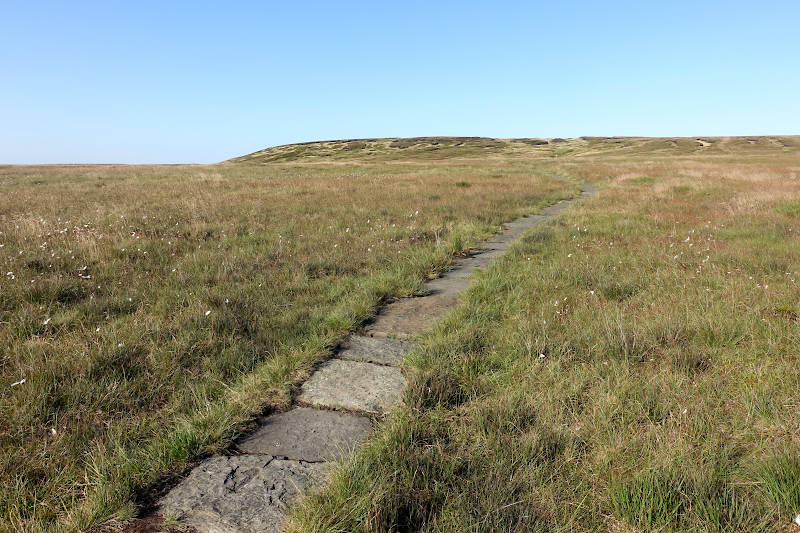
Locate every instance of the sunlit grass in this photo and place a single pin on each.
(631, 366)
(152, 311)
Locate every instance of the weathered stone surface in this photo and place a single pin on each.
(465, 266)
(447, 285)
(555, 208)
(489, 246)
(357, 386)
(518, 226)
(308, 435)
(459, 270)
(384, 351)
(490, 254)
(502, 240)
(246, 493)
(409, 317)
(494, 246)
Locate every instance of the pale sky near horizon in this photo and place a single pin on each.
(199, 82)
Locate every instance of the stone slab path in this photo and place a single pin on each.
(381, 351)
(291, 451)
(354, 386)
(241, 493)
(305, 434)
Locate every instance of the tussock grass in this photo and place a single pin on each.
(631, 366)
(154, 310)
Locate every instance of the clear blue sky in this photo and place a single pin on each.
(159, 82)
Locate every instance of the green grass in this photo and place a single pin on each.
(632, 365)
(153, 311)
(621, 369)
(790, 209)
(644, 180)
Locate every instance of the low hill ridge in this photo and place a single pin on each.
(394, 148)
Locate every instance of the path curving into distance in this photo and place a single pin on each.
(334, 412)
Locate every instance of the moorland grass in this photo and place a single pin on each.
(421, 149)
(153, 310)
(630, 366)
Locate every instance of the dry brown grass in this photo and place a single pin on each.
(153, 309)
(664, 399)
(128, 378)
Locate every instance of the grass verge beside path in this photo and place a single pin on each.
(152, 311)
(632, 366)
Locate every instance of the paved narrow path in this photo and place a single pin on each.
(291, 451)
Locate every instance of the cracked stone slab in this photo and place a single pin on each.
(307, 434)
(384, 351)
(409, 317)
(246, 493)
(340, 384)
